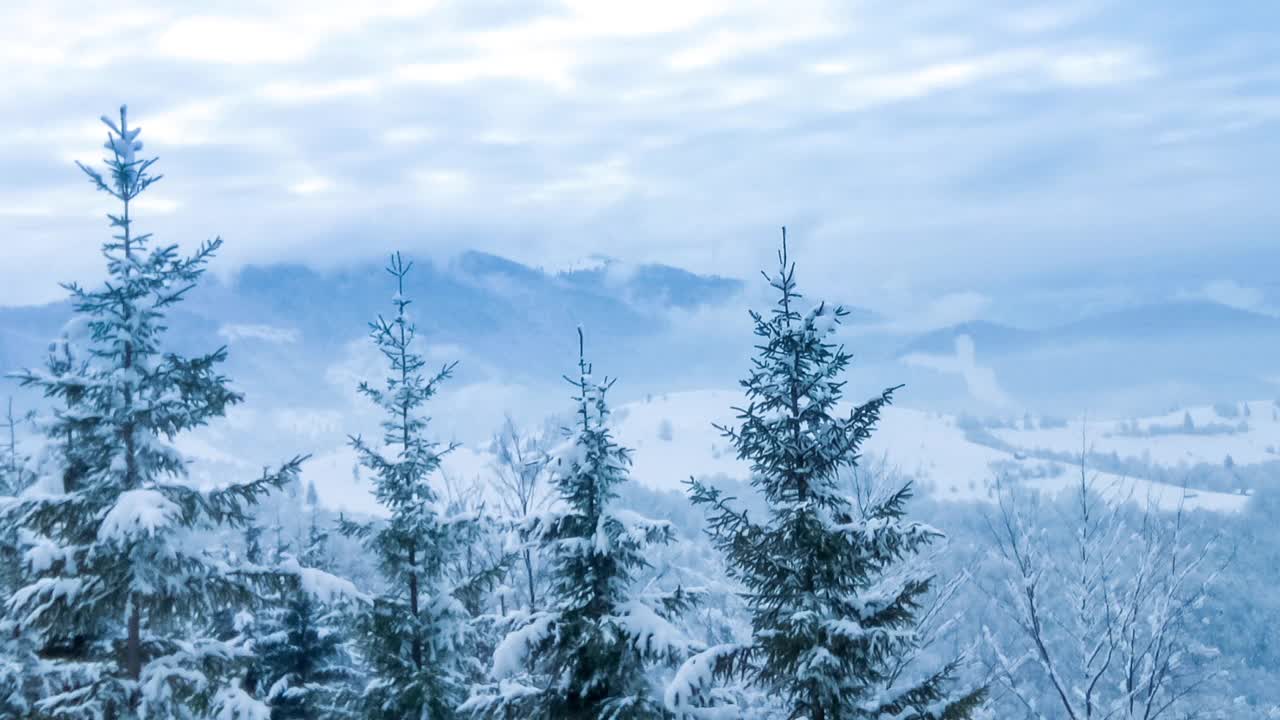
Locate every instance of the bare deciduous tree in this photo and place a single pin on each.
(520, 467)
(11, 479)
(1100, 596)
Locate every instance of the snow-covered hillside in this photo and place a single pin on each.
(673, 438)
(1246, 432)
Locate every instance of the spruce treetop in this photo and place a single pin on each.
(414, 635)
(592, 652)
(831, 580)
(112, 579)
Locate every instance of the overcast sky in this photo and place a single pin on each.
(927, 155)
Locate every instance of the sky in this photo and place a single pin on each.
(944, 159)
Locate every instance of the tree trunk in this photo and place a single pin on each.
(413, 608)
(528, 569)
(133, 649)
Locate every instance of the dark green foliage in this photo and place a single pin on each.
(829, 579)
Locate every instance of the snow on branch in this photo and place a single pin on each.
(324, 587)
(138, 513)
(688, 690)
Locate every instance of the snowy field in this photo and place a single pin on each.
(1259, 443)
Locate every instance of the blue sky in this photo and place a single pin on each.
(943, 160)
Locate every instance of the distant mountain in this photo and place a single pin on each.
(1170, 320)
(1165, 321)
(1131, 359)
(991, 337)
(660, 285)
(294, 331)
(289, 321)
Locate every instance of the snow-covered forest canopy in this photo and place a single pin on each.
(736, 553)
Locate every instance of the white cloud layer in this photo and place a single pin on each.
(959, 143)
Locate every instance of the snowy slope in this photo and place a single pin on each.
(673, 438)
(1259, 443)
(926, 445)
(929, 446)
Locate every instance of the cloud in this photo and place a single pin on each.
(962, 143)
(1231, 294)
(947, 310)
(468, 407)
(267, 333)
(980, 380)
(235, 41)
(308, 423)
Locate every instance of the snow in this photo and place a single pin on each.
(324, 587)
(1161, 496)
(920, 443)
(651, 632)
(235, 704)
(124, 141)
(42, 553)
(509, 656)
(1169, 449)
(138, 513)
(929, 446)
(199, 446)
(693, 677)
(824, 319)
(636, 526)
(695, 448)
(601, 544)
(508, 691)
(48, 592)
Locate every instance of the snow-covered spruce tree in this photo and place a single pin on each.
(63, 461)
(589, 654)
(831, 584)
(114, 587)
(413, 636)
(20, 684)
(243, 626)
(305, 671)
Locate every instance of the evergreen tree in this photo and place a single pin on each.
(244, 626)
(64, 461)
(113, 587)
(588, 655)
(306, 670)
(19, 680)
(829, 579)
(413, 635)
